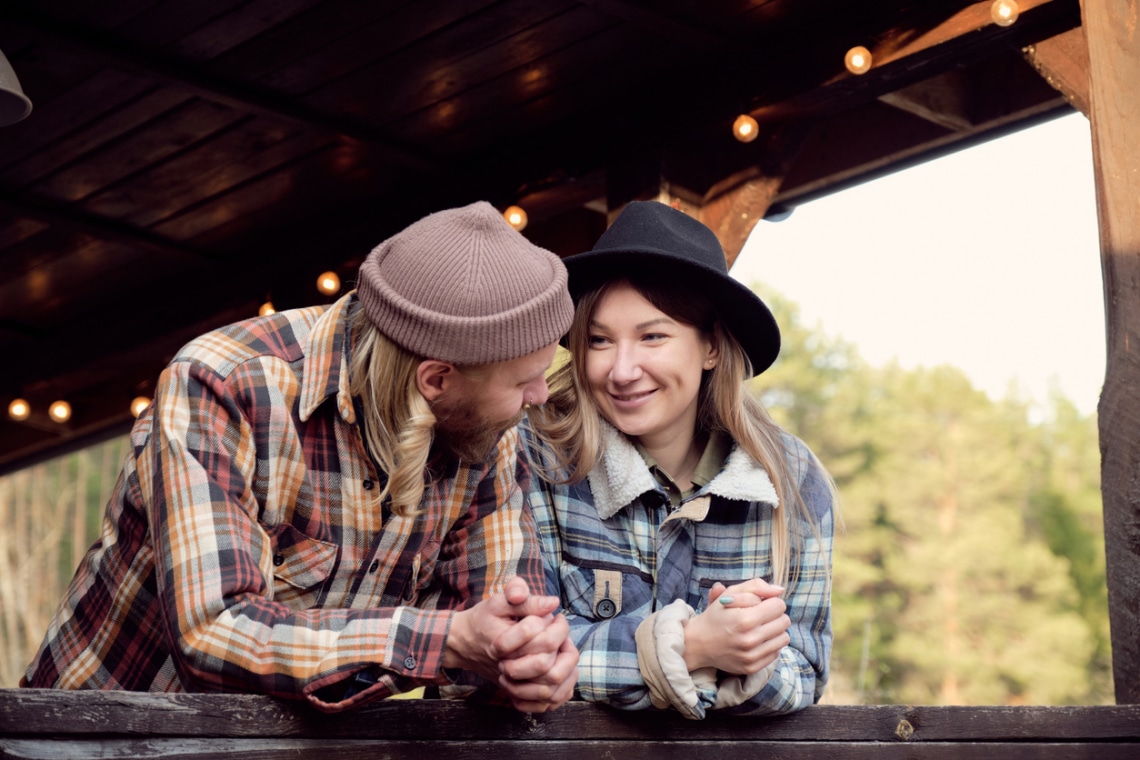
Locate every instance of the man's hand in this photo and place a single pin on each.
(742, 631)
(515, 640)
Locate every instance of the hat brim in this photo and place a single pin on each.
(743, 312)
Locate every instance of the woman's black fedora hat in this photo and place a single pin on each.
(649, 236)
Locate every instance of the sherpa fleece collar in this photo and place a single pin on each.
(622, 476)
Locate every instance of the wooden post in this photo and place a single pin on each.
(1113, 37)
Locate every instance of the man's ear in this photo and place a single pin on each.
(434, 378)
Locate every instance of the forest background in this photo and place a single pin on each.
(970, 568)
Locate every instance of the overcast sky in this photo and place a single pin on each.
(987, 259)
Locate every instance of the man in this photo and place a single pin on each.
(326, 504)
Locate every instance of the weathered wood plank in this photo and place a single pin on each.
(461, 57)
(592, 55)
(319, 749)
(30, 713)
(164, 23)
(56, 117)
(161, 138)
(1114, 70)
(110, 126)
(209, 170)
(306, 33)
(238, 25)
(361, 45)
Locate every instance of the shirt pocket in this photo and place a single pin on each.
(301, 566)
(600, 591)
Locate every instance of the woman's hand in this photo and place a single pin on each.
(741, 632)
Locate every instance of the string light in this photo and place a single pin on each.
(745, 128)
(1004, 12)
(19, 410)
(139, 405)
(515, 217)
(858, 60)
(329, 283)
(60, 411)
(267, 309)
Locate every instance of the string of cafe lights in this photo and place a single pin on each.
(59, 411)
(858, 60)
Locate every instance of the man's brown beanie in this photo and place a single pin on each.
(463, 286)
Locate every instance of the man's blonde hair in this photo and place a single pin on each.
(398, 422)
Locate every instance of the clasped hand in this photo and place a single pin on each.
(742, 637)
(516, 640)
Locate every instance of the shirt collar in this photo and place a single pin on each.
(713, 456)
(326, 361)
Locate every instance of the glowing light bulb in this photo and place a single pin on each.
(328, 283)
(515, 217)
(858, 60)
(1004, 12)
(19, 410)
(139, 405)
(60, 411)
(745, 128)
(267, 307)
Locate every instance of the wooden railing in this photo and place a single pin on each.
(122, 725)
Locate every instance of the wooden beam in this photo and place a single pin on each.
(1064, 63)
(733, 214)
(101, 228)
(943, 100)
(971, 19)
(708, 186)
(908, 54)
(732, 207)
(1114, 70)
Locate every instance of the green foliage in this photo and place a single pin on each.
(971, 567)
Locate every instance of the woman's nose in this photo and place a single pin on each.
(626, 367)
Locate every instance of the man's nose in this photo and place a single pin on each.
(538, 394)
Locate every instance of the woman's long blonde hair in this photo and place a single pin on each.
(569, 422)
(398, 422)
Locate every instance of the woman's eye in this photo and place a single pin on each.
(654, 336)
(595, 340)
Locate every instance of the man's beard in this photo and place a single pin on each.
(469, 436)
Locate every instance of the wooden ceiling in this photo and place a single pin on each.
(184, 161)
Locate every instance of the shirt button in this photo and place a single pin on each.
(278, 560)
(374, 566)
(409, 662)
(368, 485)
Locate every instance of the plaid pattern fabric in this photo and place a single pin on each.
(656, 562)
(245, 547)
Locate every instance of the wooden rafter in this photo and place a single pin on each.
(1064, 63)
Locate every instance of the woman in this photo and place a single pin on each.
(687, 535)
